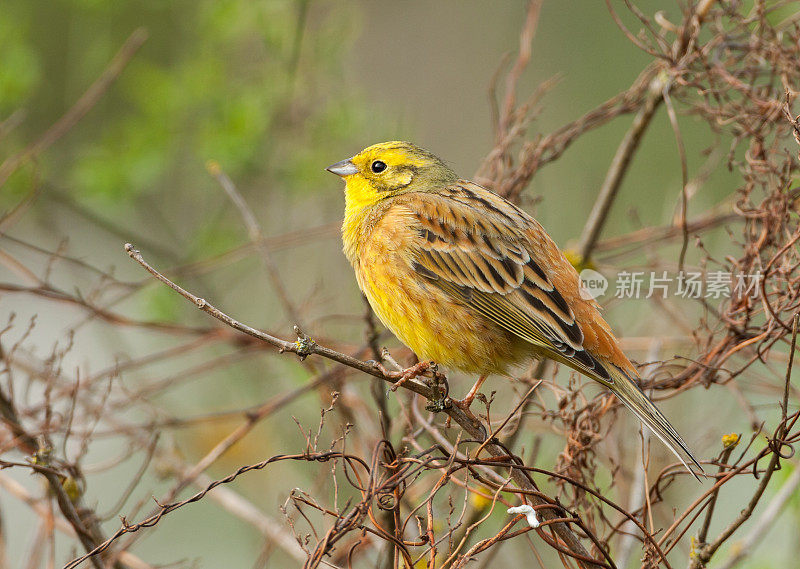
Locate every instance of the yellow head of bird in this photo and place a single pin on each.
(387, 169)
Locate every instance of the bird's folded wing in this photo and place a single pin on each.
(479, 250)
(491, 256)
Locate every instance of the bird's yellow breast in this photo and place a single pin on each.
(422, 316)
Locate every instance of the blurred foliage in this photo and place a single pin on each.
(20, 72)
(256, 86)
(222, 80)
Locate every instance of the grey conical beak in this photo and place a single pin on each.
(343, 168)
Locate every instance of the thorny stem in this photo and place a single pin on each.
(165, 509)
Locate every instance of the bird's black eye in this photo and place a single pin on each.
(378, 166)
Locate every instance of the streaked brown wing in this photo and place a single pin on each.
(478, 248)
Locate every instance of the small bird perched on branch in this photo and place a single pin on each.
(467, 279)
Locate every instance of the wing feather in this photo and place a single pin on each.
(476, 247)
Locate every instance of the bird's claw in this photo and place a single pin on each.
(409, 373)
(404, 375)
(462, 404)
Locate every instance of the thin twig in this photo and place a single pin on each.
(618, 169)
(257, 238)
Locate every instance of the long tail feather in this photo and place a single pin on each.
(627, 390)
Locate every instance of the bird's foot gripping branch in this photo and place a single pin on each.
(429, 372)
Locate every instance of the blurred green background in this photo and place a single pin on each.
(274, 91)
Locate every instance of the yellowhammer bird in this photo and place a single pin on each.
(468, 280)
